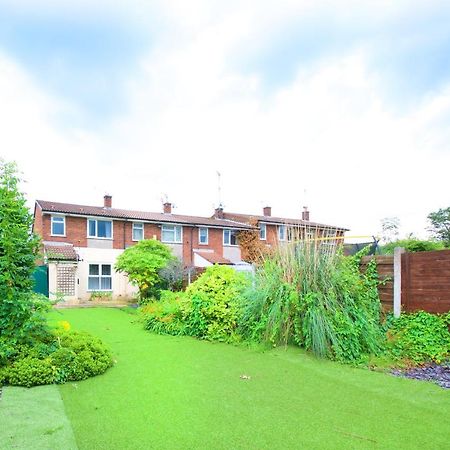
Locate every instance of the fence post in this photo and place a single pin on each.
(398, 280)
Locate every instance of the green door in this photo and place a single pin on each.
(40, 276)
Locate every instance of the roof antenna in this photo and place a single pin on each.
(219, 189)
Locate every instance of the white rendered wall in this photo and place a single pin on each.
(232, 253)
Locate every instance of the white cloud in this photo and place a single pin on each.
(190, 113)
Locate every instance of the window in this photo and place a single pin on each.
(58, 226)
(230, 237)
(262, 231)
(171, 234)
(138, 231)
(100, 277)
(203, 236)
(282, 232)
(100, 229)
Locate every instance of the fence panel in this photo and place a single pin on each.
(426, 281)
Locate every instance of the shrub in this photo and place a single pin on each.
(216, 298)
(210, 307)
(142, 263)
(419, 337)
(166, 316)
(306, 294)
(19, 318)
(412, 245)
(67, 356)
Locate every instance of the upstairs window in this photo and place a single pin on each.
(282, 232)
(230, 237)
(262, 231)
(138, 231)
(171, 234)
(100, 277)
(58, 224)
(100, 229)
(203, 236)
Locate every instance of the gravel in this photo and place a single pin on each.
(439, 373)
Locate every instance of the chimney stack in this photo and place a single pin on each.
(167, 208)
(218, 212)
(305, 213)
(267, 211)
(107, 201)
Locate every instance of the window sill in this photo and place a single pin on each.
(58, 235)
(231, 245)
(102, 238)
(172, 242)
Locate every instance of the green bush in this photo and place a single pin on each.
(67, 356)
(307, 295)
(412, 245)
(142, 263)
(209, 309)
(166, 316)
(216, 298)
(419, 337)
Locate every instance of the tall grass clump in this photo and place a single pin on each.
(307, 293)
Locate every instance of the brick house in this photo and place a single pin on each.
(276, 230)
(81, 243)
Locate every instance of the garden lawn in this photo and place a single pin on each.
(180, 393)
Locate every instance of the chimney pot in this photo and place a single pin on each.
(107, 201)
(305, 213)
(267, 211)
(167, 208)
(218, 212)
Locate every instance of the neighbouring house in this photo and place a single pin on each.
(276, 230)
(81, 244)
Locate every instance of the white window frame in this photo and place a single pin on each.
(282, 227)
(200, 236)
(262, 234)
(138, 226)
(167, 227)
(229, 244)
(100, 276)
(96, 228)
(64, 225)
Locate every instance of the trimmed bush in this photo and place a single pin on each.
(67, 356)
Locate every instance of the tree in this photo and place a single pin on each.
(440, 225)
(18, 252)
(389, 229)
(143, 263)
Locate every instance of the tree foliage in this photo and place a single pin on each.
(143, 263)
(18, 252)
(440, 225)
(412, 245)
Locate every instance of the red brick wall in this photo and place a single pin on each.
(76, 230)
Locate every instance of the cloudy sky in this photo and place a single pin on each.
(343, 106)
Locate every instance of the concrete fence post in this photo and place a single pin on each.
(398, 280)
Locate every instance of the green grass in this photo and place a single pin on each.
(180, 393)
(34, 419)
(177, 392)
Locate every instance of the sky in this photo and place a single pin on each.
(341, 106)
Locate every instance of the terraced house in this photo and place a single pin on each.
(81, 243)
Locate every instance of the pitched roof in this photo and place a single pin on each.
(125, 214)
(212, 257)
(60, 251)
(249, 218)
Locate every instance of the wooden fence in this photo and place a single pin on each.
(425, 280)
(385, 269)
